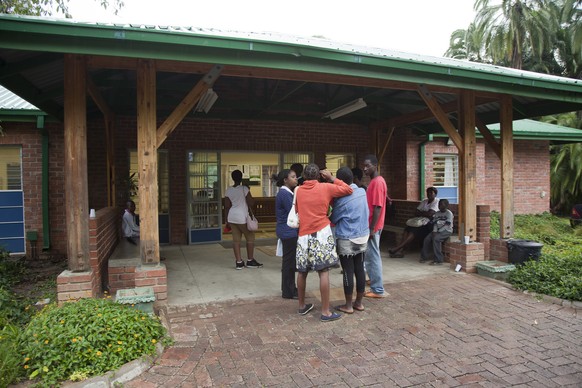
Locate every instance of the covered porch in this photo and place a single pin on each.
(146, 86)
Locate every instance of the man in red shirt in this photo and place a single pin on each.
(376, 195)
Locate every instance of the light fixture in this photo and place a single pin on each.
(345, 109)
(206, 102)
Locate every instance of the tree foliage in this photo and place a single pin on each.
(48, 7)
(544, 36)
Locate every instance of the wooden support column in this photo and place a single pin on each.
(109, 118)
(76, 182)
(506, 134)
(147, 161)
(469, 161)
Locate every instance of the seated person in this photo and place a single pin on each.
(129, 226)
(427, 208)
(442, 222)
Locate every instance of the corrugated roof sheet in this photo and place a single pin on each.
(9, 100)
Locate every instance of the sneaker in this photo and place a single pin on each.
(308, 307)
(253, 264)
(333, 317)
(240, 265)
(436, 263)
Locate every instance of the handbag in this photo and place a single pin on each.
(252, 223)
(293, 217)
(417, 222)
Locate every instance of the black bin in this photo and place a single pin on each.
(521, 251)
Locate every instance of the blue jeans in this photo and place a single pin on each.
(373, 262)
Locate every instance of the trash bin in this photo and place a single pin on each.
(521, 251)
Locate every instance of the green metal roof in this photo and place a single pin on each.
(534, 130)
(192, 44)
(31, 50)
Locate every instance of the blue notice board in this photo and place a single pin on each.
(12, 236)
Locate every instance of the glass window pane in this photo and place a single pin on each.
(10, 168)
(445, 170)
(333, 162)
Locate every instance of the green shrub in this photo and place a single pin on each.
(551, 275)
(11, 270)
(14, 309)
(86, 338)
(10, 361)
(558, 272)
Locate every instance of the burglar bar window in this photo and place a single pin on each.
(445, 170)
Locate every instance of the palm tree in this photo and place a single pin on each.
(467, 44)
(516, 28)
(566, 176)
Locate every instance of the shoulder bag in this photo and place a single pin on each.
(293, 217)
(252, 223)
(417, 222)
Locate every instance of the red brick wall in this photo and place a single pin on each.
(256, 136)
(29, 138)
(400, 166)
(103, 238)
(531, 173)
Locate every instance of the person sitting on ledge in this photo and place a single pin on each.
(129, 223)
(428, 207)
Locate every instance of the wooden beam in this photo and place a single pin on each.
(147, 161)
(110, 161)
(104, 62)
(99, 100)
(469, 161)
(441, 116)
(76, 182)
(390, 133)
(109, 118)
(489, 138)
(187, 104)
(506, 132)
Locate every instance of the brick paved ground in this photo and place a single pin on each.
(446, 331)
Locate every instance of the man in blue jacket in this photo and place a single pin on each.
(350, 216)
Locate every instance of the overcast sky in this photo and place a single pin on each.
(415, 26)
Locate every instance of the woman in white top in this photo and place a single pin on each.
(237, 202)
(427, 208)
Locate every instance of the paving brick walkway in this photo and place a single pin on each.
(446, 331)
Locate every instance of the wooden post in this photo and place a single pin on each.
(147, 160)
(506, 134)
(469, 161)
(76, 182)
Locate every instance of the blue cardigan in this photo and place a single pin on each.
(283, 203)
(350, 215)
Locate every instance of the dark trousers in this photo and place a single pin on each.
(353, 265)
(288, 268)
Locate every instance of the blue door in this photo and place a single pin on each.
(12, 221)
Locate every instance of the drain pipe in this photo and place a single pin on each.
(46, 239)
(421, 153)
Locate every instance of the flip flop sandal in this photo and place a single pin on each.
(341, 310)
(358, 308)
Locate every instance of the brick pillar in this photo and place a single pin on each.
(75, 285)
(484, 228)
(465, 254)
(153, 276)
(498, 250)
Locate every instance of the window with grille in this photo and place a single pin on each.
(333, 162)
(445, 170)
